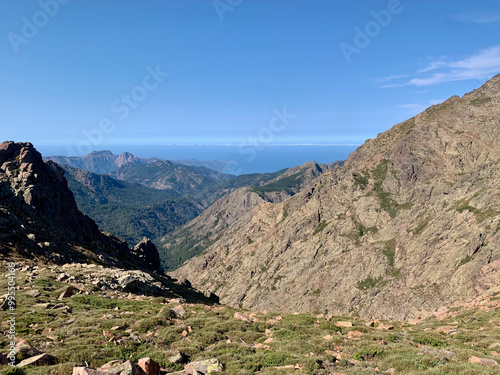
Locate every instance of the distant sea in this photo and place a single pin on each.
(246, 159)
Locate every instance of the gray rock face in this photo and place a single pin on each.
(409, 224)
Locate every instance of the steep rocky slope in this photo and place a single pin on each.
(38, 213)
(409, 224)
(214, 222)
(101, 162)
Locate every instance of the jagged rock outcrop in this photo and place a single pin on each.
(146, 252)
(410, 223)
(37, 210)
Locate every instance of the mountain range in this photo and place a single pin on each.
(408, 224)
(105, 162)
(406, 231)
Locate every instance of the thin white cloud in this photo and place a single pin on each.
(389, 78)
(416, 108)
(476, 17)
(483, 65)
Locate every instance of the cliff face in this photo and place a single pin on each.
(215, 221)
(38, 213)
(409, 224)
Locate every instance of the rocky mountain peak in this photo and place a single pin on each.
(37, 210)
(408, 224)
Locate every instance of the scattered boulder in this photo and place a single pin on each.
(33, 293)
(446, 329)
(24, 348)
(387, 327)
(177, 358)
(241, 316)
(354, 335)
(111, 368)
(116, 362)
(40, 360)
(63, 276)
(85, 371)
(128, 282)
(179, 311)
(483, 361)
(68, 292)
(207, 366)
(5, 305)
(343, 324)
(149, 366)
(147, 254)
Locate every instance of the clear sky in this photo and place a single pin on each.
(346, 70)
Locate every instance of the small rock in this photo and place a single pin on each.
(179, 311)
(5, 305)
(387, 327)
(33, 293)
(66, 294)
(86, 371)
(207, 366)
(149, 366)
(269, 340)
(241, 316)
(355, 335)
(40, 360)
(495, 345)
(343, 324)
(176, 358)
(26, 349)
(445, 329)
(112, 364)
(272, 321)
(62, 276)
(483, 361)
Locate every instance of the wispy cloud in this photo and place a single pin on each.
(389, 78)
(476, 17)
(483, 65)
(415, 108)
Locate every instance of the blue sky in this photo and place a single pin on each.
(73, 67)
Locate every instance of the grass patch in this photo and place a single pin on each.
(386, 202)
(319, 228)
(368, 283)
